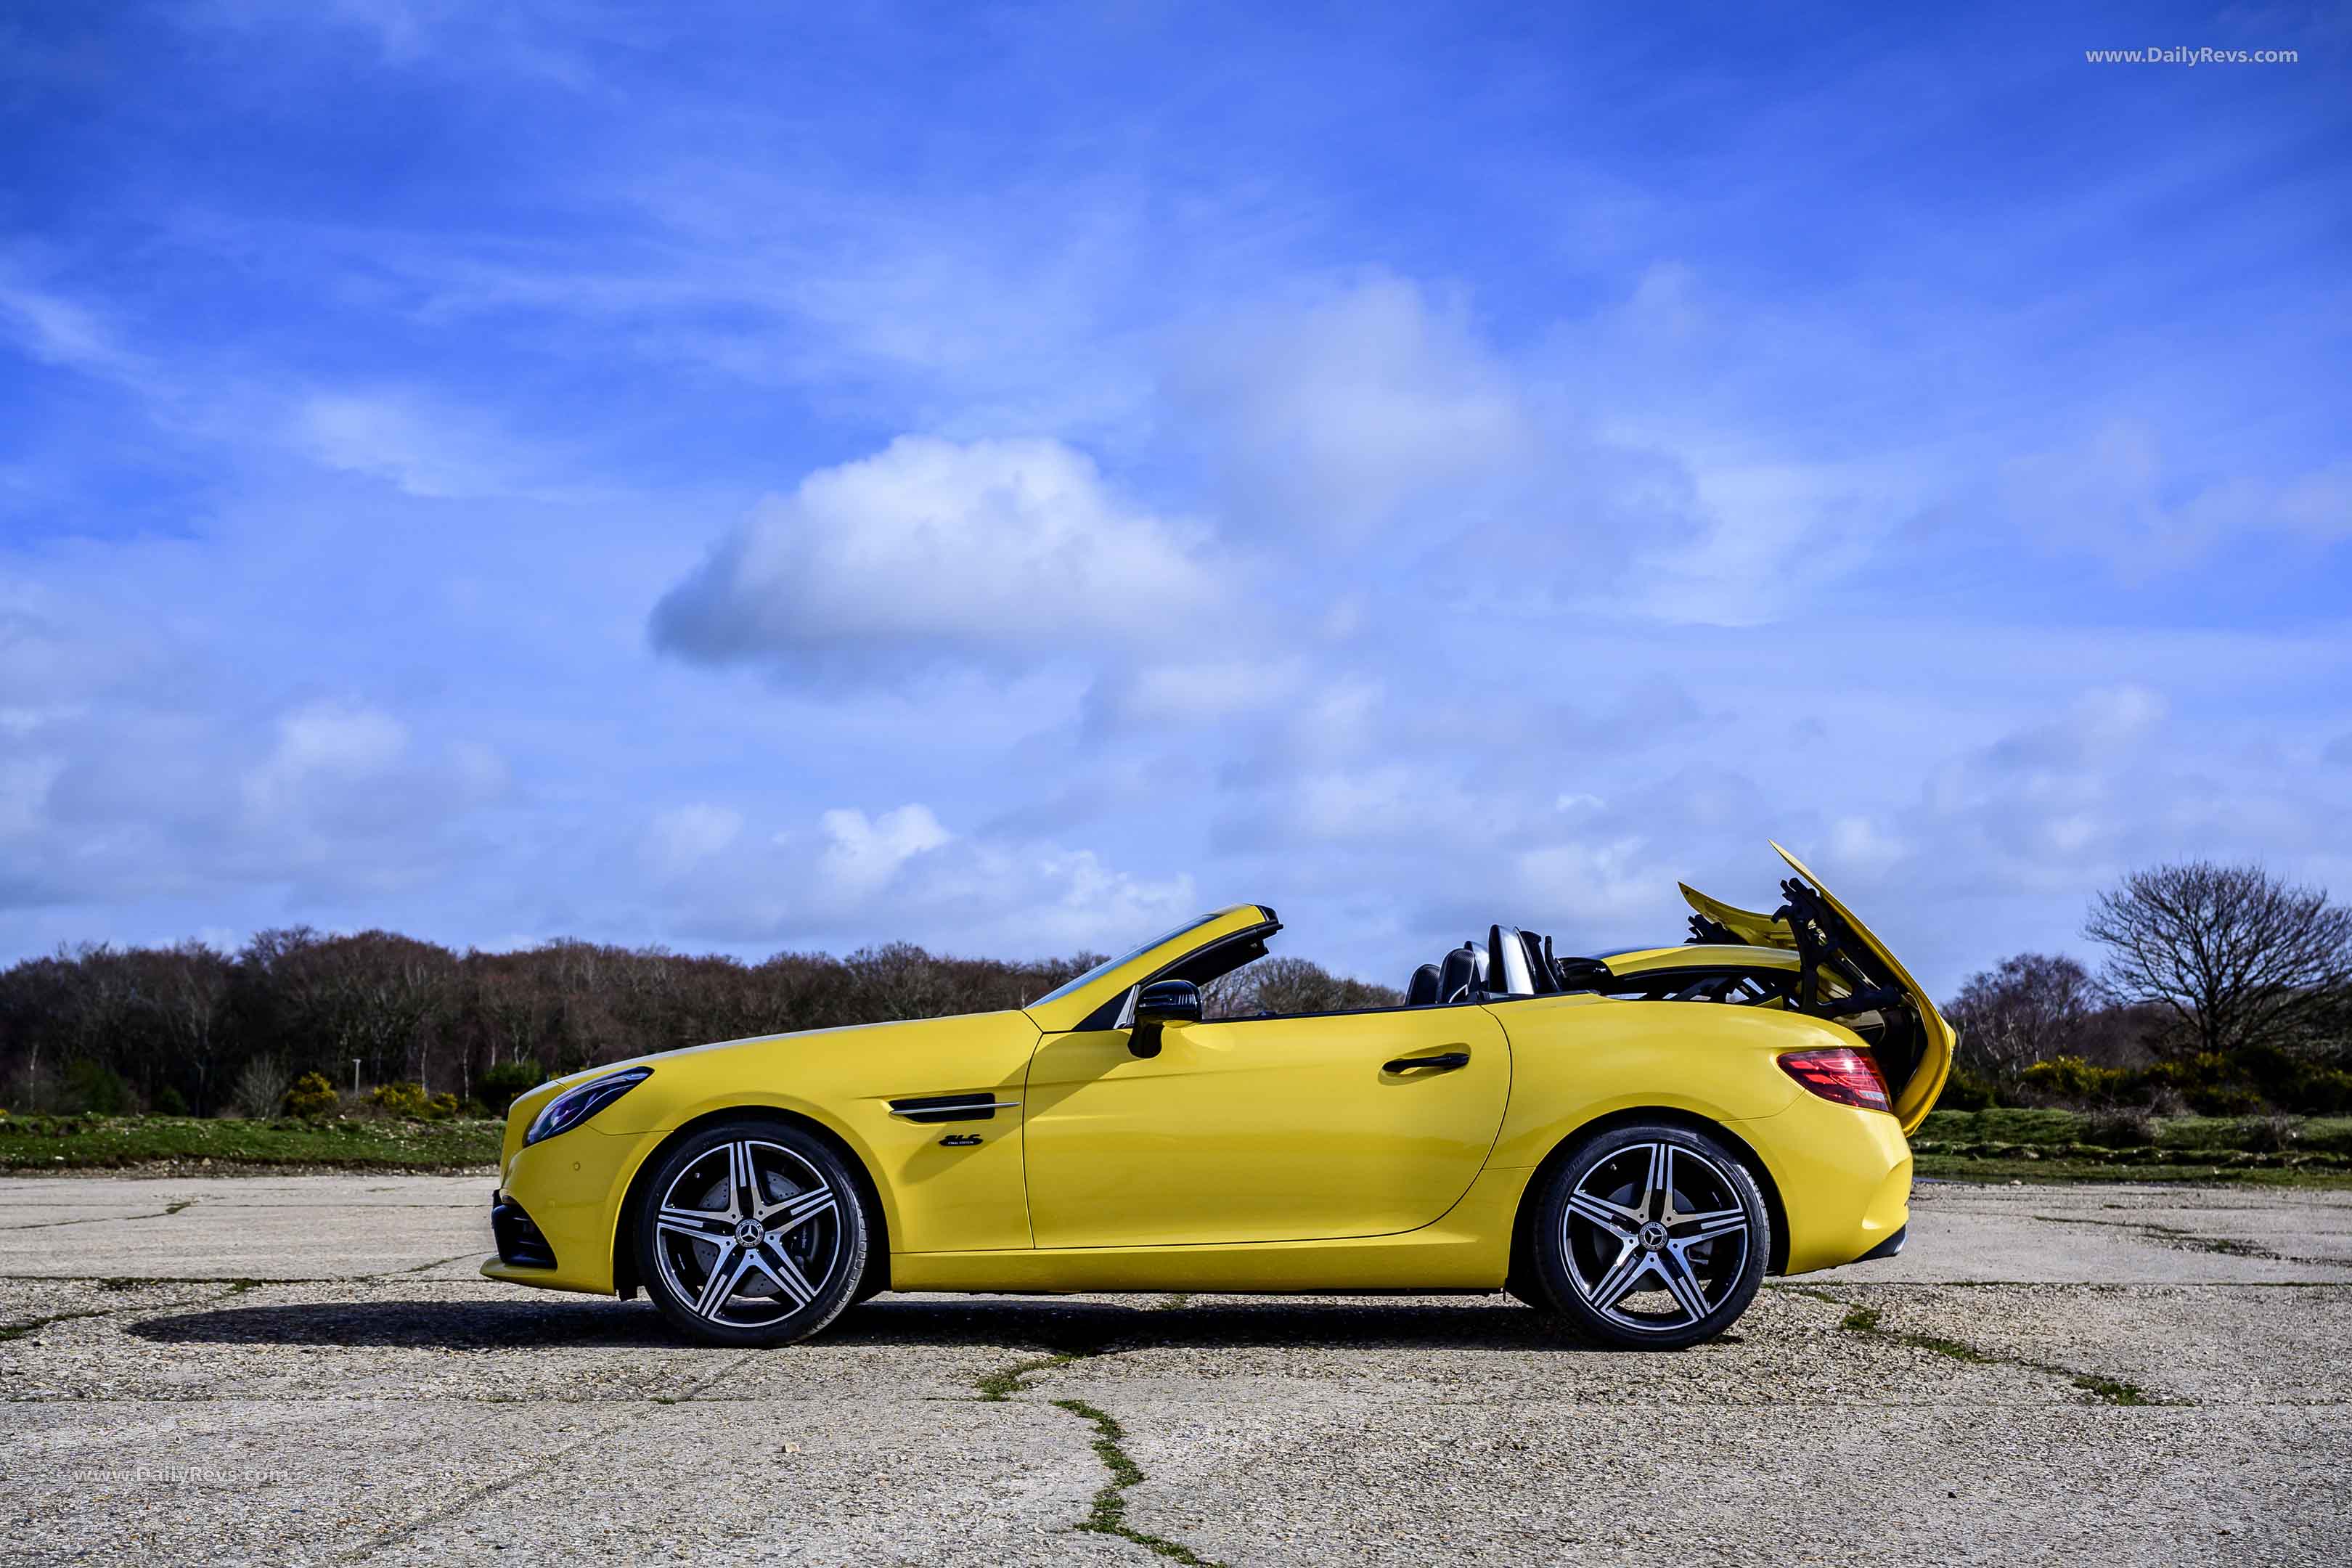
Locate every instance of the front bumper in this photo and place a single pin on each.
(568, 1190)
(521, 1244)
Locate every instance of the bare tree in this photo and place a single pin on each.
(2235, 956)
(2032, 1006)
(189, 994)
(1290, 985)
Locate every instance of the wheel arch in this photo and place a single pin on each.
(626, 1283)
(1522, 1220)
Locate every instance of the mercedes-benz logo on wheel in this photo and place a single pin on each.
(1653, 1236)
(749, 1232)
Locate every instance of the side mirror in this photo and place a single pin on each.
(1149, 1007)
(1168, 1002)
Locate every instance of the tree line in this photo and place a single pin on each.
(191, 1028)
(2222, 988)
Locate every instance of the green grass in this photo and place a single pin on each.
(2315, 1134)
(2023, 1145)
(1966, 1168)
(82, 1142)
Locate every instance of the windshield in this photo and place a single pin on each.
(1108, 964)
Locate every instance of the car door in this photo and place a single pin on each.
(1319, 1126)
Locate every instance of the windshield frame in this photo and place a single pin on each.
(1080, 982)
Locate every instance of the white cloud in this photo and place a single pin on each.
(2117, 497)
(683, 838)
(869, 876)
(24, 789)
(1340, 415)
(325, 744)
(933, 546)
(1605, 880)
(862, 856)
(430, 453)
(58, 332)
(1866, 846)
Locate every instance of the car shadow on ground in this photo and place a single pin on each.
(1076, 1327)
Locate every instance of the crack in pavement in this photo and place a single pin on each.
(33, 1326)
(421, 1267)
(1108, 1515)
(2174, 1237)
(166, 1213)
(1861, 1318)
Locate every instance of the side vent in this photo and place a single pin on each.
(951, 1107)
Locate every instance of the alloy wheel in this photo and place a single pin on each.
(748, 1234)
(1655, 1237)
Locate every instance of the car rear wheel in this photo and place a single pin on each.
(1651, 1237)
(750, 1233)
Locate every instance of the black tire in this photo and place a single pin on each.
(760, 1259)
(1624, 1269)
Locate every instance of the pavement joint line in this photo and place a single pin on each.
(639, 1410)
(165, 1213)
(1861, 1318)
(120, 1282)
(421, 1267)
(2191, 1241)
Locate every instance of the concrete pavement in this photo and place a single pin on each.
(307, 1370)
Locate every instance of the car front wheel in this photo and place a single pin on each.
(1651, 1237)
(750, 1233)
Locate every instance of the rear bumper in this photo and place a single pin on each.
(1844, 1177)
(1890, 1248)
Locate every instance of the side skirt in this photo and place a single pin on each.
(1469, 1250)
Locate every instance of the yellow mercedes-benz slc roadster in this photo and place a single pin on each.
(1568, 1128)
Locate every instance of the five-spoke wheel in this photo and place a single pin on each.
(1650, 1236)
(751, 1233)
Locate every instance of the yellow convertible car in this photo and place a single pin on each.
(1572, 1130)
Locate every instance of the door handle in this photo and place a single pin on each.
(1445, 1063)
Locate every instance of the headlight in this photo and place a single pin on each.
(574, 1106)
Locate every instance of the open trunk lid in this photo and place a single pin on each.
(1846, 974)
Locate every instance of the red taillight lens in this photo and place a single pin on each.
(1844, 1075)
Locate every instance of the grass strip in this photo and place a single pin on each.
(29, 1143)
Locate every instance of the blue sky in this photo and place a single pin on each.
(763, 476)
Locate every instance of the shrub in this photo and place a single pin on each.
(1965, 1091)
(313, 1097)
(2224, 1099)
(503, 1083)
(169, 1101)
(260, 1087)
(2323, 1092)
(2119, 1128)
(2071, 1078)
(409, 1099)
(2268, 1134)
(400, 1099)
(96, 1089)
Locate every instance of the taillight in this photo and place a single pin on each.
(1844, 1075)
